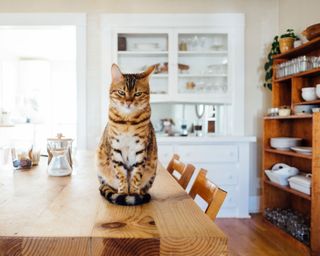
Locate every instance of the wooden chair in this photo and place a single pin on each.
(209, 192)
(185, 171)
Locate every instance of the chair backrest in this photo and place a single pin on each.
(185, 171)
(209, 192)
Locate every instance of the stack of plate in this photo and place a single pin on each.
(302, 150)
(285, 143)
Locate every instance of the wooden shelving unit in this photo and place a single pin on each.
(287, 91)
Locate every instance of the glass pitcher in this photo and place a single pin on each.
(59, 156)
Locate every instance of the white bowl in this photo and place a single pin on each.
(318, 90)
(308, 89)
(284, 143)
(309, 95)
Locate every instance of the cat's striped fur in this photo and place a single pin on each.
(127, 154)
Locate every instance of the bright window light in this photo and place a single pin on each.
(38, 89)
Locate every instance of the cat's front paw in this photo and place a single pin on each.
(134, 190)
(123, 190)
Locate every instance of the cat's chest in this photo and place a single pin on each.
(127, 145)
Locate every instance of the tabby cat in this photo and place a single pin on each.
(127, 154)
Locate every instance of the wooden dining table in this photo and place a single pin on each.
(44, 215)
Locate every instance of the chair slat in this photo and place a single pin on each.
(185, 171)
(209, 192)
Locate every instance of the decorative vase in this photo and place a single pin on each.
(286, 44)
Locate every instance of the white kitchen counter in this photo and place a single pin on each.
(204, 139)
(227, 159)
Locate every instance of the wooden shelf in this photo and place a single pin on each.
(287, 117)
(288, 189)
(288, 153)
(299, 51)
(310, 72)
(308, 102)
(287, 91)
(289, 237)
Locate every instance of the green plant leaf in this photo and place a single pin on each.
(268, 75)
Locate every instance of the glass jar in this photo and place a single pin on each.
(59, 156)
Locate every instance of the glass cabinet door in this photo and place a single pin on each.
(137, 51)
(202, 63)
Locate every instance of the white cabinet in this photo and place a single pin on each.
(197, 54)
(188, 61)
(227, 162)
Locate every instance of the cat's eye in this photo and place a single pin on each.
(137, 94)
(122, 93)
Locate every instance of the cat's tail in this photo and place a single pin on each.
(123, 199)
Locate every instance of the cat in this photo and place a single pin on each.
(127, 153)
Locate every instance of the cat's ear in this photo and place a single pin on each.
(149, 71)
(116, 74)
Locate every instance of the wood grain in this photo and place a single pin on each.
(256, 237)
(315, 194)
(42, 215)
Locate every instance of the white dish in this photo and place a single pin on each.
(309, 95)
(308, 89)
(318, 90)
(301, 183)
(284, 143)
(276, 178)
(280, 173)
(303, 109)
(302, 150)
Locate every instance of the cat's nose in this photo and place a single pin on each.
(128, 103)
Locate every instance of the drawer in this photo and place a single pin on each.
(231, 200)
(221, 174)
(165, 153)
(208, 153)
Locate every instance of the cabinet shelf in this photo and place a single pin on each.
(301, 50)
(310, 72)
(202, 75)
(288, 117)
(290, 238)
(160, 76)
(202, 52)
(146, 53)
(288, 153)
(286, 91)
(289, 190)
(308, 102)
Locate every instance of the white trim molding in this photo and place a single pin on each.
(78, 20)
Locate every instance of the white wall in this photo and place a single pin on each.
(261, 26)
(298, 14)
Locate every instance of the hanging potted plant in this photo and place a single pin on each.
(268, 65)
(279, 45)
(286, 40)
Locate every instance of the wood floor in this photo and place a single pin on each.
(255, 237)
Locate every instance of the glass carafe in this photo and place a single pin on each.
(59, 156)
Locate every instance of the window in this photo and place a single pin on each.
(38, 81)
